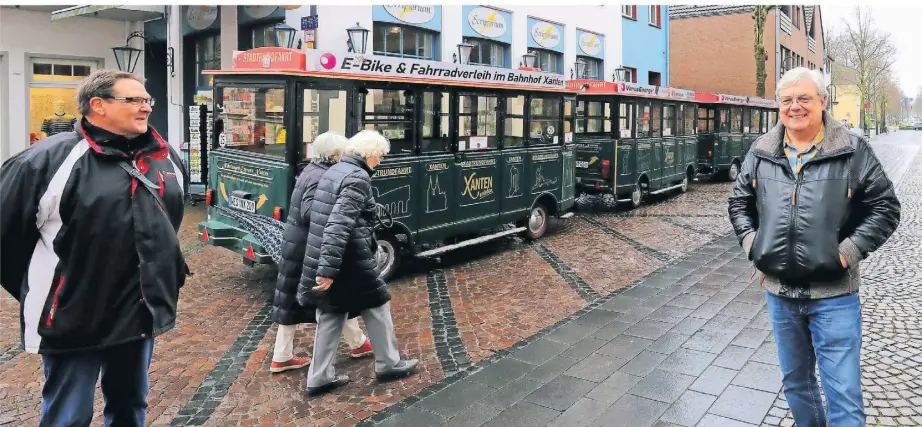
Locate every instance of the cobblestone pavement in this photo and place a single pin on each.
(463, 318)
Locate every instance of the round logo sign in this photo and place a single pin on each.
(550, 130)
(546, 35)
(201, 17)
(412, 14)
(487, 22)
(222, 140)
(590, 44)
(327, 61)
(258, 12)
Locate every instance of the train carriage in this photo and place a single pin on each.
(472, 148)
(633, 140)
(727, 127)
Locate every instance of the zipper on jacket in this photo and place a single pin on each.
(54, 301)
(793, 218)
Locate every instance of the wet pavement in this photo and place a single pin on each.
(616, 313)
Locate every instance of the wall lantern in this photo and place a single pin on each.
(464, 52)
(127, 56)
(529, 59)
(358, 39)
(284, 35)
(619, 75)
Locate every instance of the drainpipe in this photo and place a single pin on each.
(777, 50)
(668, 81)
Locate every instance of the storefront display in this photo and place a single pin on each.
(53, 110)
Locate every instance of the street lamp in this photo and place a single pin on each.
(529, 59)
(284, 35)
(358, 39)
(580, 69)
(619, 75)
(464, 52)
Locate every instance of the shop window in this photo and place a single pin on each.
(736, 120)
(548, 61)
(436, 129)
(60, 72)
(263, 35)
(486, 52)
(514, 135)
(324, 111)
(545, 121)
(252, 120)
(593, 69)
(390, 112)
(52, 95)
(477, 127)
(593, 117)
(207, 57)
(654, 78)
(669, 121)
(403, 41)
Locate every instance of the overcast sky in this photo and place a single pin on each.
(903, 23)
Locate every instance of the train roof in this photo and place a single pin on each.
(338, 65)
(601, 87)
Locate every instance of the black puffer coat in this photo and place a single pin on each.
(341, 244)
(285, 307)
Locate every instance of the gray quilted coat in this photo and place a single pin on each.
(285, 307)
(341, 242)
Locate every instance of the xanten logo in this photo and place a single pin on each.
(477, 187)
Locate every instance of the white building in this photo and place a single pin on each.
(204, 37)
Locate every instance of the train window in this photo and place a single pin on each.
(703, 120)
(755, 121)
(544, 120)
(324, 111)
(436, 136)
(514, 135)
(625, 119)
(669, 121)
(253, 120)
(723, 126)
(390, 112)
(567, 116)
(656, 126)
(593, 117)
(772, 118)
(736, 119)
(690, 119)
(477, 122)
(643, 119)
(765, 122)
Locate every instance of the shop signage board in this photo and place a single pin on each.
(632, 89)
(590, 43)
(761, 102)
(370, 66)
(733, 99)
(545, 34)
(412, 14)
(487, 22)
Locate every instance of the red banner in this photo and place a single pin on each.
(270, 59)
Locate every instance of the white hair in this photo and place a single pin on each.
(368, 143)
(328, 145)
(800, 74)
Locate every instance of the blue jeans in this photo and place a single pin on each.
(70, 385)
(825, 330)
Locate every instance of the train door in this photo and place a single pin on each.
(436, 164)
(545, 157)
(625, 153)
(514, 158)
(477, 166)
(671, 145)
(644, 144)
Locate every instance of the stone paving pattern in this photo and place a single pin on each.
(610, 301)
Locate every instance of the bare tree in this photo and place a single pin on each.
(759, 15)
(917, 104)
(869, 52)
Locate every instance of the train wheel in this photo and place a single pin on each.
(684, 186)
(636, 196)
(537, 222)
(388, 257)
(734, 171)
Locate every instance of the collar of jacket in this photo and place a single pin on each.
(353, 159)
(107, 143)
(835, 141)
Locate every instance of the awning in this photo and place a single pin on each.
(115, 13)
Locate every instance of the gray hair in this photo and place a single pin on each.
(99, 85)
(800, 74)
(329, 145)
(368, 143)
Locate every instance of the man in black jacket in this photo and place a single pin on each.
(810, 202)
(88, 228)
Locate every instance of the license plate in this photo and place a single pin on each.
(582, 164)
(243, 204)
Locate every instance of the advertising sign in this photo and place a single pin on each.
(590, 43)
(545, 34)
(416, 15)
(732, 99)
(489, 23)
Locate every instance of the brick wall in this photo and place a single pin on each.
(715, 54)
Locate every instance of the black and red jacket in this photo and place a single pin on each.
(90, 254)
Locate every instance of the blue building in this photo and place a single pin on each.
(645, 43)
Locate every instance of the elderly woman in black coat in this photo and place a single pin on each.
(340, 273)
(285, 308)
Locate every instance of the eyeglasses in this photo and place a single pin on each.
(802, 100)
(133, 100)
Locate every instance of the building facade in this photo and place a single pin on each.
(181, 41)
(645, 41)
(712, 47)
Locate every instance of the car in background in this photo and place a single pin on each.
(917, 125)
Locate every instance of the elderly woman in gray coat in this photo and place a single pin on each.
(285, 308)
(340, 273)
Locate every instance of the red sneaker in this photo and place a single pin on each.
(293, 363)
(364, 350)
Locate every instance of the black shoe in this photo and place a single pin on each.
(402, 369)
(340, 381)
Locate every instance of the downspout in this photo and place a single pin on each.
(777, 50)
(668, 40)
